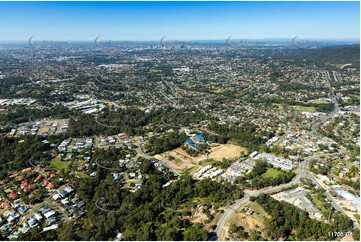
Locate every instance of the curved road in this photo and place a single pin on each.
(229, 212)
(140, 153)
(302, 173)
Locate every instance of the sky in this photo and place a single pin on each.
(80, 21)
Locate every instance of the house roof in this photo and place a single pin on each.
(199, 138)
(50, 185)
(191, 144)
(12, 195)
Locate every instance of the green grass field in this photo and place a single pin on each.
(178, 161)
(304, 108)
(57, 164)
(277, 104)
(82, 175)
(296, 171)
(258, 210)
(186, 85)
(221, 90)
(206, 162)
(298, 108)
(319, 102)
(271, 172)
(189, 171)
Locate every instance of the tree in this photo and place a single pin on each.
(195, 233)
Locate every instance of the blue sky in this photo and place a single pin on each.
(178, 20)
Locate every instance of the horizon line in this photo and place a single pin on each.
(179, 39)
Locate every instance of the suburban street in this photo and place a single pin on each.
(302, 174)
(334, 101)
(140, 153)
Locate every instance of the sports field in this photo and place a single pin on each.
(228, 151)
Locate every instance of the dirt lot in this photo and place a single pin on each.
(178, 159)
(182, 162)
(228, 151)
(249, 222)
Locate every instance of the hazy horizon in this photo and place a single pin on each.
(150, 21)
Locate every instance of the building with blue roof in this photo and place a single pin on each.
(22, 209)
(44, 209)
(191, 144)
(199, 138)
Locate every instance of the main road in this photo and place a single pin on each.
(303, 170)
(333, 100)
(230, 211)
(327, 193)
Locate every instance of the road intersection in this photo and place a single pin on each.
(302, 174)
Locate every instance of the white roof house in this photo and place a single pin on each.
(38, 216)
(49, 214)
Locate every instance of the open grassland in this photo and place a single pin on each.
(57, 164)
(271, 173)
(298, 108)
(304, 109)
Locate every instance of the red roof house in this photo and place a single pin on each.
(12, 195)
(50, 185)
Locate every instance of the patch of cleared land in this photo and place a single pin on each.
(155, 71)
(249, 222)
(347, 238)
(318, 101)
(178, 159)
(228, 151)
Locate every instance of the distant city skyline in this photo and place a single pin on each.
(150, 21)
